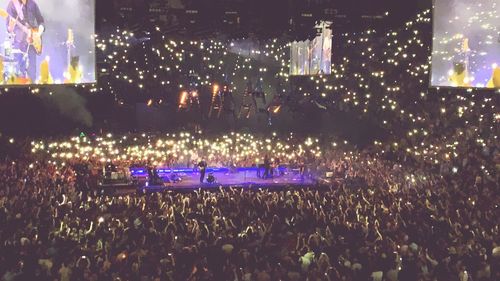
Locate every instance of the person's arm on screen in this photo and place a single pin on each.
(10, 23)
(39, 18)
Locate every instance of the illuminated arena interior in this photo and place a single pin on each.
(249, 140)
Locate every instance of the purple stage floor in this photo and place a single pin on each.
(241, 179)
(245, 179)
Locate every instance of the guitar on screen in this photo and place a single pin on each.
(34, 36)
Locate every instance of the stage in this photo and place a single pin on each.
(224, 177)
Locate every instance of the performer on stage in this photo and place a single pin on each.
(203, 166)
(267, 166)
(302, 168)
(277, 163)
(154, 178)
(26, 22)
(150, 175)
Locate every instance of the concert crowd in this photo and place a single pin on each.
(421, 204)
(377, 219)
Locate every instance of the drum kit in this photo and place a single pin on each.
(10, 59)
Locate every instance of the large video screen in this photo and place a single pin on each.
(312, 57)
(466, 45)
(47, 42)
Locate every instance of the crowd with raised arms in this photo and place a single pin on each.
(424, 204)
(400, 222)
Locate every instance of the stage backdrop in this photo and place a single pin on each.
(313, 57)
(67, 54)
(466, 45)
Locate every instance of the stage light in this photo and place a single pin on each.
(183, 99)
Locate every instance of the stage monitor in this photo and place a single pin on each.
(313, 57)
(47, 42)
(466, 44)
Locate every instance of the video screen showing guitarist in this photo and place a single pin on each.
(26, 23)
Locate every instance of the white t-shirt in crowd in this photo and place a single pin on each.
(377, 276)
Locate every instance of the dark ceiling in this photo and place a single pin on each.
(266, 17)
